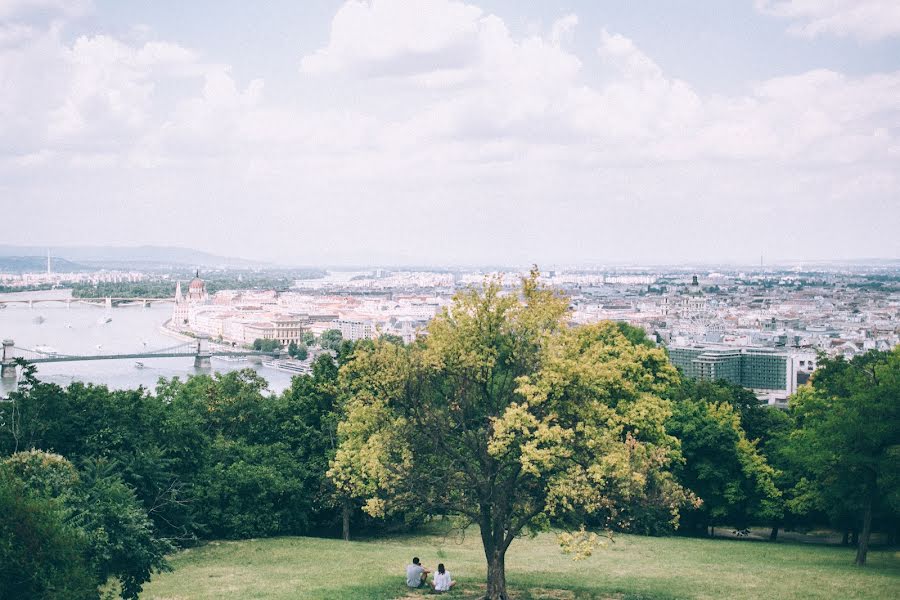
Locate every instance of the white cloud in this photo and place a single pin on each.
(865, 19)
(437, 104)
(562, 28)
(378, 37)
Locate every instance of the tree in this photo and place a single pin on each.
(123, 543)
(41, 555)
(264, 345)
(298, 351)
(141, 434)
(331, 339)
(256, 461)
(119, 538)
(723, 467)
(508, 417)
(848, 436)
(392, 338)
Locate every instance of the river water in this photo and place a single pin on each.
(81, 329)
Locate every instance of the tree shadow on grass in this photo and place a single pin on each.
(472, 591)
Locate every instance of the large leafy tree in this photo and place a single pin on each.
(722, 466)
(848, 437)
(42, 555)
(118, 537)
(510, 418)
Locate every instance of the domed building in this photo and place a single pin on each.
(197, 291)
(196, 294)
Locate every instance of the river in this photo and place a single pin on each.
(81, 329)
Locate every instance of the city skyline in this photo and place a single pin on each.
(435, 132)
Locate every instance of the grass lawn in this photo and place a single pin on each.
(632, 567)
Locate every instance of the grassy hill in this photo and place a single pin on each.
(632, 567)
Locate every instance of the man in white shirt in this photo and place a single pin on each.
(416, 574)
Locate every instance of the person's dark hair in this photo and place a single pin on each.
(441, 568)
(415, 560)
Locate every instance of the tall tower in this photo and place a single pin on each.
(180, 309)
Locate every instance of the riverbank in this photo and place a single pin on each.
(165, 330)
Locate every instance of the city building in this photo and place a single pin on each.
(355, 330)
(769, 372)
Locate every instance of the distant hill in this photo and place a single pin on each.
(33, 264)
(128, 257)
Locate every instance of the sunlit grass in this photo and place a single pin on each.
(630, 568)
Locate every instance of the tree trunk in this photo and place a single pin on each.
(496, 576)
(862, 547)
(492, 538)
(773, 535)
(345, 513)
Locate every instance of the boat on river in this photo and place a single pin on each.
(288, 366)
(231, 359)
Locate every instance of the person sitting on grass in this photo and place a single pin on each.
(442, 582)
(416, 574)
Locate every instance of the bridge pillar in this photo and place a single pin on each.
(203, 358)
(7, 364)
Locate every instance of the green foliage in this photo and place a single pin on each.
(42, 473)
(392, 339)
(635, 335)
(41, 555)
(331, 339)
(118, 537)
(215, 281)
(258, 461)
(722, 466)
(125, 289)
(250, 490)
(128, 427)
(508, 417)
(122, 540)
(262, 345)
(300, 352)
(847, 439)
(193, 439)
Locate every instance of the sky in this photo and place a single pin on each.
(387, 132)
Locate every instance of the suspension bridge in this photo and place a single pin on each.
(200, 348)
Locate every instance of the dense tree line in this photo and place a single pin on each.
(210, 457)
(216, 281)
(504, 414)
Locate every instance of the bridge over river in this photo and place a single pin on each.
(200, 348)
(108, 301)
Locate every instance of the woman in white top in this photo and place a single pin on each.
(441, 581)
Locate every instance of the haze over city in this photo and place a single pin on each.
(441, 132)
